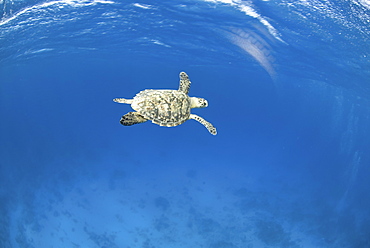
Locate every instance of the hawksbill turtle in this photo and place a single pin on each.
(167, 108)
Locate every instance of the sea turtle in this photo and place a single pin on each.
(165, 107)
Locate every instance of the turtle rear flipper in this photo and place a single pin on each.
(132, 118)
(205, 123)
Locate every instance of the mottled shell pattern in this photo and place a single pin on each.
(163, 107)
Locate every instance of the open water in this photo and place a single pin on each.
(288, 87)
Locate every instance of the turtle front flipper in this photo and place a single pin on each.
(123, 100)
(184, 83)
(205, 123)
(132, 118)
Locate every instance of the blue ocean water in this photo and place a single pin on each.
(288, 89)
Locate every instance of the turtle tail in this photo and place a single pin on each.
(123, 100)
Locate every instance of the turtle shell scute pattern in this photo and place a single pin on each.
(163, 107)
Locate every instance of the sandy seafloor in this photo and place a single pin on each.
(195, 209)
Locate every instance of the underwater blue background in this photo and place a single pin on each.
(288, 89)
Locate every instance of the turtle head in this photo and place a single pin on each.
(197, 102)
